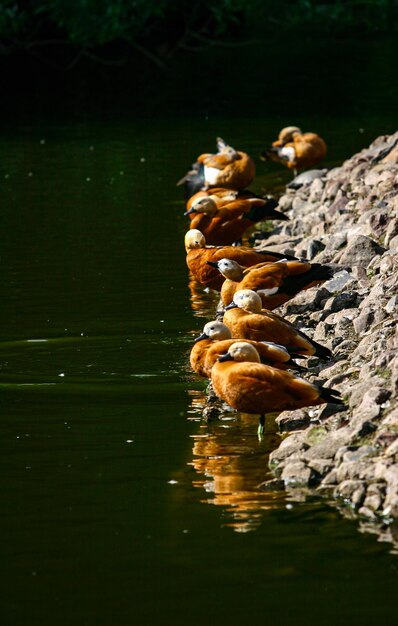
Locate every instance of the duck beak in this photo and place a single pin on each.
(230, 306)
(190, 211)
(225, 357)
(202, 336)
(213, 264)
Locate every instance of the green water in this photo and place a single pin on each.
(119, 506)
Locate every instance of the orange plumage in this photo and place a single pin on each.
(223, 222)
(199, 255)
(216, 340)
(296, 150)
(276, 283)
(226, 168)
(251, 387)
(248, 320)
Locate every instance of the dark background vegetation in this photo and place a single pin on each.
(183, 56)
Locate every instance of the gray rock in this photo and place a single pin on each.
(392, 304)
(327, 448)
(360, 250)
(338, 282)
(306, 178)
(344, 300)
(351, 490)
(322, 467)
(360, 453)
(272, 485)
(313, 248)
(289, 421)
(363, 322)
(291, 445)
(391, 232)
(392, 449)
(367, 512)
(297, 474)
(330, 478)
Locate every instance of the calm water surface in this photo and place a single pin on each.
(119, 506)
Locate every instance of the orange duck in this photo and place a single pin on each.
(242, 381)
(223, 223)
(198, 256)
(296, 150)
(216, 339)
(227, 168)
(276, 282)
(246, 319)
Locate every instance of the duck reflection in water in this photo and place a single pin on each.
(203, 300)
(231, 463)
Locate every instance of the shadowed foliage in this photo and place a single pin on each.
(160, 28)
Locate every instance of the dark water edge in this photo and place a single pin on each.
(120, 506)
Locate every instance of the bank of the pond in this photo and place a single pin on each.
(349, 218)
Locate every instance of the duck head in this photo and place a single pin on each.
(216, 330)
(194, 239)
(241, 351)
(203, 205)
(287, 134)
(228, 268)
(248, 300)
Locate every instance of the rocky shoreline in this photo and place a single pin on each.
(349, 218)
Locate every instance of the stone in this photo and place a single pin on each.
(297, 474)
(315, 434)
(363, 322)
(321, 466)
(392, 449)
(367, 512)
(327, 448)
(338, 282)
(392, 304)
(289, 421)
(344, 300)
(360, 250)
(360, 453)
(313, 248)
(386, 264)
(351, 490)
(330, 478)
(272, 485)
(316, 190)
(391, 232)
(289, 446)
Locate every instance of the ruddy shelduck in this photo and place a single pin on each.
(227, 168)
(216, 339)
(276, 283)
(296, 150)
(246, 319)
(223, 195)
(198, 255)
(224, 223)
(242, 381)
